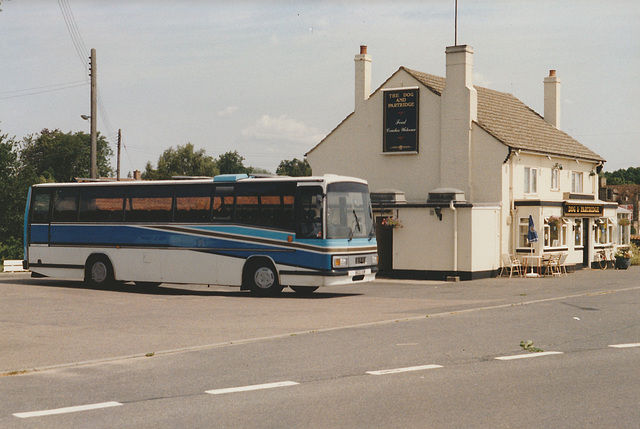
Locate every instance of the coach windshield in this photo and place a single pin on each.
(349, 212)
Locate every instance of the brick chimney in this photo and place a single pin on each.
(552, 99)
(363, 77)
(459, 108)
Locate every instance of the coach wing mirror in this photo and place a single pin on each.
(319, 200)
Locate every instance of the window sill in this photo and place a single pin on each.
(400, 153)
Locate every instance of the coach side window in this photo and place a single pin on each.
(149, 203)
(193, 203)
(40, 206)
(65, 205)
(223, 204)
(247, 205)
(276, 205)
(101, 204)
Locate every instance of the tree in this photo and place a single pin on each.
(294, 168)
(13, 195)
(630, 176)
(182, 161)
(54, 156)
(232, 163)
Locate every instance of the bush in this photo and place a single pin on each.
(635, 258)
(11, 249)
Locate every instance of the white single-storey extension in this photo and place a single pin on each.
(456, 172)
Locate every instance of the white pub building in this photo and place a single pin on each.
(456, 170)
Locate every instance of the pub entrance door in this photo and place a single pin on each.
(384, 237)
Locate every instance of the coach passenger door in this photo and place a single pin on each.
(309, 219)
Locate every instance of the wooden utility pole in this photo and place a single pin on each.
(94, 117)
(118, 167)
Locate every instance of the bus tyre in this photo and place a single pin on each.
(304, 290)
(99, 272)
(262, 278)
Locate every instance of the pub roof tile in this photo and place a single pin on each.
(514, 123)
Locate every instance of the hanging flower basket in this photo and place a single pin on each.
(623, 221)
(553, 221)
(391, 222)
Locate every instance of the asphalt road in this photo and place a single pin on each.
(389, 354)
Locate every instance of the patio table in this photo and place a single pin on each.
(531, 260)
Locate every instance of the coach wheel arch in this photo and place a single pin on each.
(98, 271)
(261, 277)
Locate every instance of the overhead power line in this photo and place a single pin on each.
(41, 89)
(74, 33)
(83, 54)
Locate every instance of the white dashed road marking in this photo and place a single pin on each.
(67, 410)
(250, 388)
(625, 346)
(530, 355)
(289, 383)
(407, 369)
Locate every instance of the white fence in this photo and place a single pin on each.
(12, 266)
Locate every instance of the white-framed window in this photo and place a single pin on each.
(624, 229)
(604, 231)
(523, 232)
(555, 232)
(578, 233)
(530, 180)
(555, 179)
(576, 182)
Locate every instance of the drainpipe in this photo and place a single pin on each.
(512, 206)
(455, 237)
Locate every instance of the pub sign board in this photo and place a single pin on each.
(401, 120)
(570, 209)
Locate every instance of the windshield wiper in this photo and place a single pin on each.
(357, 221)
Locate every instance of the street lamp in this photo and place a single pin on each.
(94, 147)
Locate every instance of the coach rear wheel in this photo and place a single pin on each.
(263, 279)
(99, 272)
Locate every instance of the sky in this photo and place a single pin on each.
(271, 79)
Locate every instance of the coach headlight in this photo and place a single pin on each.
(340, 262)
(374, 259)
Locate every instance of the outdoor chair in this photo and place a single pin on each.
(552, 266)
(562, 263)
(510, 263)
(545, 264)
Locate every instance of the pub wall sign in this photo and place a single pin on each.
(401, 120)
(582, 209)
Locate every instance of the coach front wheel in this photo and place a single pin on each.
(262, 278)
